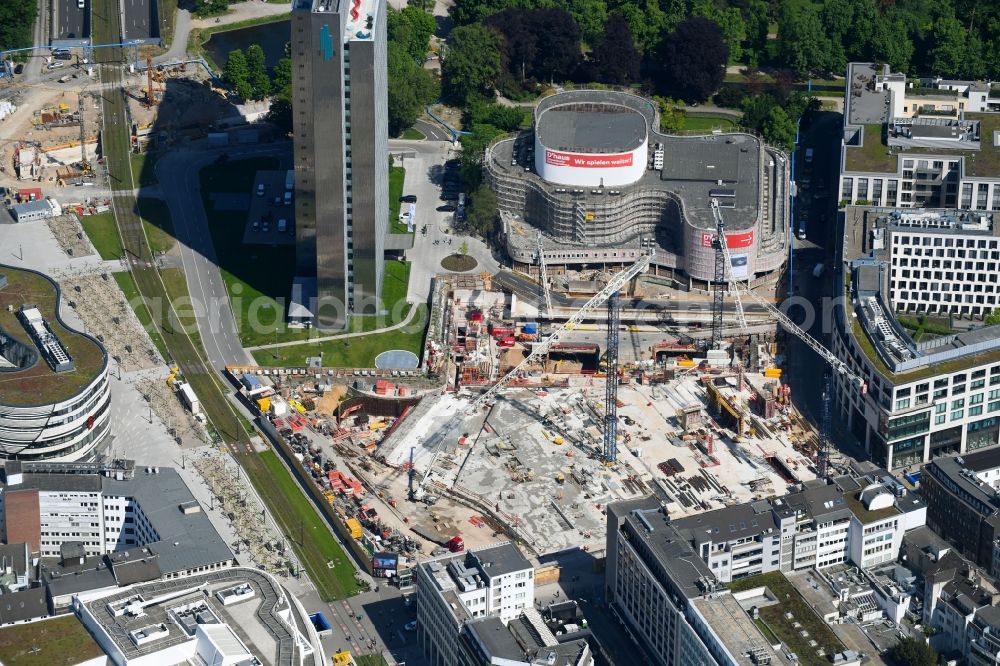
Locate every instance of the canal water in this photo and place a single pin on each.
(271, 37)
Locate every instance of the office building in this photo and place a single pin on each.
(668, 598)
(477, 608)
(962, 503)
(55, 398)
(109, 508)
(341, 154)
(930, 392)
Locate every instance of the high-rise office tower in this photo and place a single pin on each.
(341, 153)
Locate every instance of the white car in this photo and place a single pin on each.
(411, 625)
(56, 65)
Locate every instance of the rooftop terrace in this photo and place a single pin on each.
(39, 384)
(875, 156)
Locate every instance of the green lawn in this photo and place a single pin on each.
(412, 134)
(159, 228)
(369, 660)
(359, 352)
(143, 168)
(103, 234)
(175, 282)
(708, 122)
(127, 284)
(256, 276)
(396, 175)
(60, 641)
(790, 601)
(311, 537)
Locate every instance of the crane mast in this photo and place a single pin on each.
(613, 287)
(544, 276)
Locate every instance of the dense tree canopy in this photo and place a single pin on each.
(411, 29)
(472, 62)
(16, 18)
(694, 58)
(913, 652)
(237, 74)
(538, 43)
(616, 59)
(947, 37)
(411, 87)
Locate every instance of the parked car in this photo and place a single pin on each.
(447, 208)
(260, 189)
(56, 65)
(411, 625)
(408, 198)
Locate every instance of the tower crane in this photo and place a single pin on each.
(785, 321)
(618, 281)
(544, 275)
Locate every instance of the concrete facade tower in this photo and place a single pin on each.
(341, 153)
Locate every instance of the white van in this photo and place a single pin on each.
(809, 155)
(282, 226)
(288, 198)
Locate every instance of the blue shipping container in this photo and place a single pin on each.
(531, 329)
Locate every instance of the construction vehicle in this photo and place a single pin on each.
(174, 371)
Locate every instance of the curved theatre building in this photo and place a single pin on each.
(600, 183)
(54, 392)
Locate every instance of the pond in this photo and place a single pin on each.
(272, 37)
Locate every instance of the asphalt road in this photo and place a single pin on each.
(178, 174)
(71, 20)
(138, 18)
(432, 130)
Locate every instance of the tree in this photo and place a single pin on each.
(411, 88)
(482, 210)
(280, 111)
(411, 28)
(463, 249)
(778, 129)
(729, 20)
(237, 73)
(993, 318)
(694, 58)
(539, 43)
(890, 43)
(471, 63)
(16, 19)
(758, 20)
(914, 652)
(949, 47)
(802, 41)
(671, 114)
(258, 78)
(615, 55)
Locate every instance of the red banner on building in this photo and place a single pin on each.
(556, 158)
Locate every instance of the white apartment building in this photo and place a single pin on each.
(906, 145)
(861, 519)
(496, 582)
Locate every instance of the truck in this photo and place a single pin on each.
(355, 527)
(818, 270)
(290, 179)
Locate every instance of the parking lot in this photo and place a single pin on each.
(271, 220)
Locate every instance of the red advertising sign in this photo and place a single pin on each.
(556, 158)
(738, 241)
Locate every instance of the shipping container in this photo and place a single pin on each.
(355, 527)
(531, 329)
(507, 342)
(501, 331)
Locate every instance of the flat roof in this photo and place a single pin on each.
(734, 628)
(259, 626)
(591, 128)
(501, 559)
(875, 156)
(187, 540)
(672, 551)
(982, 460)
(39, 384)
